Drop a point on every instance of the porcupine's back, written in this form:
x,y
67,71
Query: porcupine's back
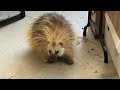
x,y
49,28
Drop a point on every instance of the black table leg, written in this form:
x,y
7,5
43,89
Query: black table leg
x,y
101,36
88,24
22,13
10,20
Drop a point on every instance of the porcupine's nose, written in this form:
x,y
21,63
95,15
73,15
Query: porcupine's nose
x,y
50,51
56,52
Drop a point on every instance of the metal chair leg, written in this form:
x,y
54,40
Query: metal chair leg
x,y
88,24
102,38
10,20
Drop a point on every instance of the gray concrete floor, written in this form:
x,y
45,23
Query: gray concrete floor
x,y
18,62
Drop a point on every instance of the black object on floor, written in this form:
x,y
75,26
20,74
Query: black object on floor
x,y
12,19
99,28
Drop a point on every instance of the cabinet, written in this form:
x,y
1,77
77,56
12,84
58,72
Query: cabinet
x,y
112,36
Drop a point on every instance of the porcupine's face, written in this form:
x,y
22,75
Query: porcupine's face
x,y
55,49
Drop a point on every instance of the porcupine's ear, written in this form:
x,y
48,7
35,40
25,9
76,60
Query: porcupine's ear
x,y
61,44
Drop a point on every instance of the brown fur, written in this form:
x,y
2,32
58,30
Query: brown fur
x,y
51,28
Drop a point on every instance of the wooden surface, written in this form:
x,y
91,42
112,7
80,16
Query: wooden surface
x,y
112,41
111,48
112,30
115,19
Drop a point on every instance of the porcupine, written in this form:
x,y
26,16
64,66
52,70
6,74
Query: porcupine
x,y
52,36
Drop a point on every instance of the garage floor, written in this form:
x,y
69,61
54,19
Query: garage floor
x,y
17,61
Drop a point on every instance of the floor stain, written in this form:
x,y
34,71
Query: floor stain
x,y
96,54
78,42
88,63
100,56
84,68
88,51
96,71
91,67
78,37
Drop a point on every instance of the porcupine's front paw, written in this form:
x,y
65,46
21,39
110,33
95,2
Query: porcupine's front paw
x,y
67,59
52,58
50,61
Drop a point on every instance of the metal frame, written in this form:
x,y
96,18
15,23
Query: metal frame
x,y
99,28
12,19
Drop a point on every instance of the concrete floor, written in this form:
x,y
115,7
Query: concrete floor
x,y
18,62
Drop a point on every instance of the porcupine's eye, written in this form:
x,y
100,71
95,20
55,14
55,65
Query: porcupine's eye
x,y
50,51
56,52
61,44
